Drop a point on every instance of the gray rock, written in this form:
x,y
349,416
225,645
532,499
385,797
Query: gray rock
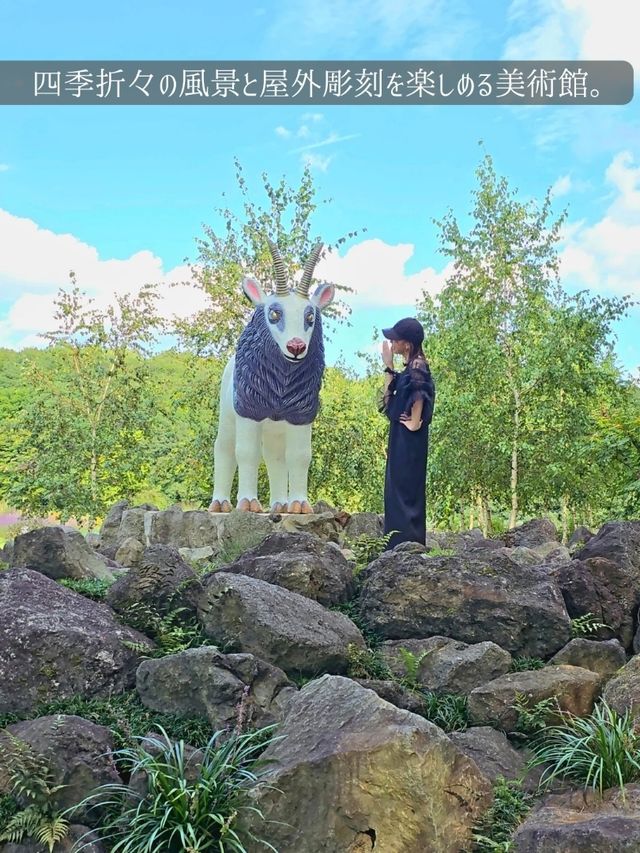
x,y
395,693
603,589
364,524
288,630
469,597
161,580
325,525
58,552
78,755
583,822
111,524
495,756
302,563
350,764
622,692
579,538
130,552
204,682
574,688
531,533
448,666
602,656
55,644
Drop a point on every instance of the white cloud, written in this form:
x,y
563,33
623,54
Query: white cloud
x,y
562,186
35,264
282,132
606,254
377,272
4,167
316,161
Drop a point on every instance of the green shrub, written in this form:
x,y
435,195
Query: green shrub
x,y
352,610
534,718
509,808
172,632
367,663
585,625
31,779
524,664
447,710
366,548
183,810
411,663
93,588
599,751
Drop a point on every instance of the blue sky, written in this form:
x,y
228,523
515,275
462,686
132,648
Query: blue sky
x,y
119,194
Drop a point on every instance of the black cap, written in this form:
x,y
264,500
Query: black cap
x,y
408,329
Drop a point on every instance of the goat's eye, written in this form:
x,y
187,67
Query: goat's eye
x,y
274,315
310,318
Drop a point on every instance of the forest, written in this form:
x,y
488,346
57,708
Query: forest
x,y
534,414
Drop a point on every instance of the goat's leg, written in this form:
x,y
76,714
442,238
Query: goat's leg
x,y
248,446
298,454
224,463
273,450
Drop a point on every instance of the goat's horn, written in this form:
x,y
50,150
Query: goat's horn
x,y
305,282
282,286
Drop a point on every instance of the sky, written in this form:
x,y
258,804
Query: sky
x,y
119,194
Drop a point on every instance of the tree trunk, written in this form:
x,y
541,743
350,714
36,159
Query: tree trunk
x,y
564,509
487,528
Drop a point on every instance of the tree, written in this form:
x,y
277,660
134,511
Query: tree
x,y
83,431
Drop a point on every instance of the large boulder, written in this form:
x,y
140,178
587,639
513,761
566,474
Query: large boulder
x,y
77,754
161,580
574,688
354,773
531,533
395,693
58,552
444,665
326,525
368,524
583,822
469,597
602,656
111,524
579,538
206,683
302,563
55,644
289,630
622,692
605,580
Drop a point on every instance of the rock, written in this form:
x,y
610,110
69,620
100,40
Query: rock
x,y
364,524
622,692
601,588
130,552
131,526
323,506
602,656
618,541
579,538
448,666
457,541
394,693
111,524
92,539
583,822
325,525
574,688
302,563
58,552
77,835
353,770
203,682
494,755
194,556
55,644
288,630
78,754
468,597
531,533
161,580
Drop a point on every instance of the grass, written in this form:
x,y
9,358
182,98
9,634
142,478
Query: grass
x,y
94,588
524,664
599,751
509,808
447,710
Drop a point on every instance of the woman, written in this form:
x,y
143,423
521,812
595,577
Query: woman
x,y
408,403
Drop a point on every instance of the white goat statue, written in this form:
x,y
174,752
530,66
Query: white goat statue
x,y
269,394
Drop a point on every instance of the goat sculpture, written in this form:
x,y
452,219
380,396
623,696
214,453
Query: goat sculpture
x,y
269,394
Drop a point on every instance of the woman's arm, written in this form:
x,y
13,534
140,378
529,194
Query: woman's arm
x,y
413,421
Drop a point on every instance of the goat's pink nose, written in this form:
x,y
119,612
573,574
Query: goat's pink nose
x,y
296,346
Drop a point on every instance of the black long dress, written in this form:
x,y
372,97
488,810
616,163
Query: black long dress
x,y
406,471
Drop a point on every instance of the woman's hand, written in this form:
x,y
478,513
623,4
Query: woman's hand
x,y
410,424
387,354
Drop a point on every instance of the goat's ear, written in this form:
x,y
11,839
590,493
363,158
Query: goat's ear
x,y
324,295
252,290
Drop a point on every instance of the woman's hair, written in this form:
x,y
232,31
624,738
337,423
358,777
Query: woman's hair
x,y
416,352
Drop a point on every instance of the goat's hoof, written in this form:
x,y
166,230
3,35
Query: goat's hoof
x,y
215,506
278,507
306,508
226,506
295,507
256,506
244,505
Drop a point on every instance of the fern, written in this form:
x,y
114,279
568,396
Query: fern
x,y
366,548
412,663
586,624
